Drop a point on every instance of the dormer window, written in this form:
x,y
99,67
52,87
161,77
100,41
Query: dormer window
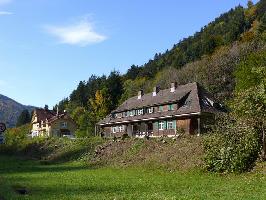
x,y
140,112
132,113
150,110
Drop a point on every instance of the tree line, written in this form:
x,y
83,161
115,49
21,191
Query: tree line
x,y
208,57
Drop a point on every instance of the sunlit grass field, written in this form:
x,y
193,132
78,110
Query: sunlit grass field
x,y
76,181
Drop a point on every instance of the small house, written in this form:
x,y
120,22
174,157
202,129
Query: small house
x,y
49,123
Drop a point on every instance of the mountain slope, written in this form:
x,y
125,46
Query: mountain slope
x,y
224,30
10,110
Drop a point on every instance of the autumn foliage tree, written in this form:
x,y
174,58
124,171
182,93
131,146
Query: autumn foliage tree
x,y
99,105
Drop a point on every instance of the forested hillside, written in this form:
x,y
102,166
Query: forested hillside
x,y
209,57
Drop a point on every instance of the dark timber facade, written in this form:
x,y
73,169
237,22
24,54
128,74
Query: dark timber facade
x,y
166,112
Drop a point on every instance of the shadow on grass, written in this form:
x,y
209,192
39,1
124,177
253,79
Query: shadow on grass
x,y
9,165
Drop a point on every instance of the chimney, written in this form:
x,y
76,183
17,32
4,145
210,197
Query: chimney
x,y
57,111
155,91
173,86
140,94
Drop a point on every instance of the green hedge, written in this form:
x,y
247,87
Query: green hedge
x,y
231,147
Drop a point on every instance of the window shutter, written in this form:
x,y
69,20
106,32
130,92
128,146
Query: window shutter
x,y
174,124
155,125
165,125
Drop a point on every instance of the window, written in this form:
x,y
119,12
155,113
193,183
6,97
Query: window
x,y
131,113
114,129
121,128
150,110
171,107
161,125
63,124
140,112
117,129
160,108
170,125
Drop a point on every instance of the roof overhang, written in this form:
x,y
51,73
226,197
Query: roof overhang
x,y
152,118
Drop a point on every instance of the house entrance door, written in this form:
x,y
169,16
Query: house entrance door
x,y
150,128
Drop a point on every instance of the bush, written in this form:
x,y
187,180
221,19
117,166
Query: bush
x,y
231,147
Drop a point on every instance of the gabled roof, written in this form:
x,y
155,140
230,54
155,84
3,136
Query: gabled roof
x,y
64,116
162,97
43,114
50,115
192,99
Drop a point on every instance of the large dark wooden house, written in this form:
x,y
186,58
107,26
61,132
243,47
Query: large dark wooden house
x,y
162,113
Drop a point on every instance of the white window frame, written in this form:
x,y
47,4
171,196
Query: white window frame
x,y
172,125
140,112
121,128
114,129
150,110
161,125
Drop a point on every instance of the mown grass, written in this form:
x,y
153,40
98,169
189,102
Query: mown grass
x,y
76,180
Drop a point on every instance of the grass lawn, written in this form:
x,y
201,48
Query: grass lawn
x,y
75,181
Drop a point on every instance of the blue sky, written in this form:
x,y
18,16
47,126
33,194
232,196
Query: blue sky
x,y
48,46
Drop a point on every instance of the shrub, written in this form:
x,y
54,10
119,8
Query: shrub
x,y
231,147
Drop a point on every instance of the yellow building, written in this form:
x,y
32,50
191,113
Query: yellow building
x,y
49,123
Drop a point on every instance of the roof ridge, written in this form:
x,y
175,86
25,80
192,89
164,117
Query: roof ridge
x,y
190,83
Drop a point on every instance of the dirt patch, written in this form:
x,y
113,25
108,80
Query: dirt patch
x,y
182,153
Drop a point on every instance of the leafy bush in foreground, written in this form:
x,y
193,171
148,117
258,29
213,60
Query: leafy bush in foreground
x,y
231,147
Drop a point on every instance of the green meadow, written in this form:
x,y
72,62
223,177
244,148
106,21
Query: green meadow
x,y
76,180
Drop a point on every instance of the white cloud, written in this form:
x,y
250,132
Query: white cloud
x,y
2,2
5,13
81,33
